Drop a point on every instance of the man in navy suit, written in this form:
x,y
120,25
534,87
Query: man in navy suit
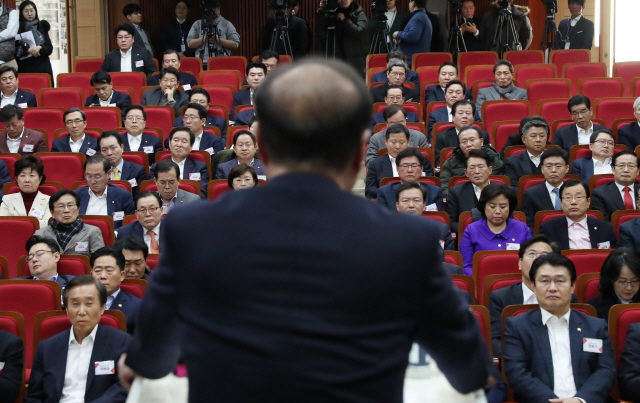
x,y
43,255
580,133
448,71
555,353
77,141
575,32
629,375
463,113
619,195
12,356
100,197
149,213
195,118
134,139
602,144
256,72
454,91
133,13
629,135
107,267
78,363
128,57
11,94
397,54
105,94
410,164
5,176
396,73
392,97
534,137
111,147
546,195
202,97
181,140
171,58
576,230
305,220
630,232
243,118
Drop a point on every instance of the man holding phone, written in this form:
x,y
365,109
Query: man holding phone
x,y
469,27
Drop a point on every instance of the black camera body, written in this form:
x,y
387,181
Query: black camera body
x,y
379,6
278,4
332,4
504,4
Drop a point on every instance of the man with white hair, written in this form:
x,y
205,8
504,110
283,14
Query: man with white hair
x,y
629,135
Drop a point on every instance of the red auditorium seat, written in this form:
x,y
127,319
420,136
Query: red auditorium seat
x,y
152,260
553,109
66,98
48,119
231,132
445,154
478,73
133,94
187,185
527,181
525,72
137,157
65,168
481,313
587,287
500,132
376,60
593,88
238,63
583,150
134,79
453,257
10,161
619,123
136,287
563,56
427,74
465,283
13,322
547,89
105,223
192,64
14,233
596,181
75,80
587,260
108,118
473,58
546,215
440,216
71,265
497,111
494,282
88,65
371,72
221,77
161,117
219,94
610,109
216,188
493,262
430,59
35,81
626,70
620,317
576,71
619,217
48,188
478,85
517,57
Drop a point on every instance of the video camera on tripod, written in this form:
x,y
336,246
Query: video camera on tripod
x,y
209,26
378,12
281,29
510,40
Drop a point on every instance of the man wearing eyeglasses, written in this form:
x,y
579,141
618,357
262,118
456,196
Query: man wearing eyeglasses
x,y
630,231
111,147
135,139
129,56
171,58
393,97
100,197
576,230
43,255
195,118
534,137
619,195
167,175
396,74
75,121
168,94
602,143
580,133
147,228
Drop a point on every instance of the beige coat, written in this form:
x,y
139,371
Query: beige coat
x,y
13,206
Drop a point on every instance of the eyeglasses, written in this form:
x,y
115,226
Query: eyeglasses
x,y
63,207
546,282
583,112
134,118
577,198
407,166
164,183
188,118
624,283
72,122
37,254
396,98
151,210
605,142
397,74
96,178
622,166
532,254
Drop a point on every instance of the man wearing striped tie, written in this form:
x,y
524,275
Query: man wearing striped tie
x,y
149,214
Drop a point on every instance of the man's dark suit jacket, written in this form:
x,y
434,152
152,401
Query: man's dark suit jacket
x,y
62,279
211,121
535,199
133,171
599,231
583,167
302,293
412,76
225,168
5,176
118,200
11,349
242,97
461,198
529,366
567,136
410,95
61,145
153,96
127,304
387,195
147,140
31,137
192,167
184,78
517,166
138,54
242,119
50,362
379,118
607,198
441,115
380,168
136,229
208,141
629,376
629,135
581,34
449,138
630,234
24,97
435,93
172,35
513,140
121,100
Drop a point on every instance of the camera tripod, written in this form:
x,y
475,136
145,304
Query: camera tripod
x,y
455,34
382,32
500,45
549,34
281,32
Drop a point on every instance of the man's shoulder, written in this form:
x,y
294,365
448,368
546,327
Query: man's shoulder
x,y
601,190
555,222
583,161
627,224
111,334
133,165
379,161
56,341
503,293
540,187
527,318
592,221
195,163
517,158
461,188
565,130
129,297
129,228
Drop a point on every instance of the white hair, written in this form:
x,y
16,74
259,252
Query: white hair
x,y
636,103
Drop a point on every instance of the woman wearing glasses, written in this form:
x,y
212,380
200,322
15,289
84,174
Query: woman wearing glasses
x,y
29,201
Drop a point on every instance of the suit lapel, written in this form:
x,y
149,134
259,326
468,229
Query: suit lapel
x,y
19,206
615,196
575,343
126,169
125,141
525,163
494,94
60,360
589,168
544,197
541,336
188,168
111,200
387,170
76,238
563,232
574,133
99,345
516,296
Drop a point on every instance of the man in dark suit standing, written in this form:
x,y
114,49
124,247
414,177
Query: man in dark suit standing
x,y
111,147
576,230
619,194
148,226
105,94
575,32
15,138
396,74
77,141
128,57
629,376
12,358
202,97
174,32
256,72
11,94
602,146
629,135
79,362
534,137
326,321
463,112
469,27
43,255
135,120
580,133
171,58
133,13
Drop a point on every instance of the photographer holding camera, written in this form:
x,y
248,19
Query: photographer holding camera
x,y
216,36
520,20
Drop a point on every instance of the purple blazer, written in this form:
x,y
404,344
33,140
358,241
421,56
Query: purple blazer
x,y
477,236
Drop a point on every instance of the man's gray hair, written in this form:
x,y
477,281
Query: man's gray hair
x,y
397,63
636,103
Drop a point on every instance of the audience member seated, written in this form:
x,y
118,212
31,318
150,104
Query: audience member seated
x,y
463,112
168,93
396,74
77,141
619,281
10,93
534,136
43,255
195,118
105,94
629,375
134,139
412,199
546,195
15,138
602,144
629,135
464,197
181,140
503,87
29,201
555,353
147,228
135,253
63,365
516,138
518,293
394,114
107,267
242,176
470,139
270,59
129,56
256,72
618,195
393,96
244,148
73,236
447,72
228,155
397,54
580,133
576,230
167,176
111,147
497,230
100,197
171,58
453,92
630,231
202,97
410,165
12,356
243,118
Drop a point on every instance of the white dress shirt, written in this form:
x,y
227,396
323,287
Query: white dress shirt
x,y
180,165
584,137
134,141
97,205
573,23
631,192
477,190
147,237
111,298
535,160
107,102
528,297
551,194
75,147
394,167
125,60
78,366
14,145
600,168
196,143
11,100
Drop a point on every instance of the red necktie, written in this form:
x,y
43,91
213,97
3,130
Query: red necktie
x,y
628,201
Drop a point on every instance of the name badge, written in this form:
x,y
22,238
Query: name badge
x,y
513,246
210,150
431,207
91,151
187,87
82,246
148,149
34,212
23,105
442,244
183,48
592,345
118,215
105,368
262,177
140,63
604,245
194,176
133,182
27,148
113,105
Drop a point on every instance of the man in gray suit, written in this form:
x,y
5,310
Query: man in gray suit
x,y
503,87
167,174
168,93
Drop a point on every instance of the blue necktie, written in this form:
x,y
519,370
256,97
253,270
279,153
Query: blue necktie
x,y
558,205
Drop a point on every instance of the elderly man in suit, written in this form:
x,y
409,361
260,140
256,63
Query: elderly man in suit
x,y
148,226
73,236
167,175
462,113
256,72
580,133
575,32
129,56
396,54
77,141
453,92
534,136
195,118
43,255
135,120
316,322
168,94
244,148
602,146
448,71
576,230
629,375
15,138
202,97
629,135
393,96
105,94
12,356
555,353
396,74
619,194
503,87
78,363
11,94
111,147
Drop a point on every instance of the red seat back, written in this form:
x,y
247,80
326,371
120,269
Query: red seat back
x,y
49,119
161,117
501,132
75,80
10,161
105,223
220,95
107,118
553,109
134,79
626,70
35,81
152,261
14,233
376,60
517,57
66,98
588,260
47,188
192,64
493,262
473,58
576,71
474,73
620,317
220,78
87,65
562,57
430,59
547,89
526,72
216,188
610,109
427,74
497,283
496,111
238,63
591,289
71,265
65,168
481,314
134,288
593,88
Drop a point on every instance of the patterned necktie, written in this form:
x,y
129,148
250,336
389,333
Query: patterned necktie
x,y
558,206
116,174
154,244
628,200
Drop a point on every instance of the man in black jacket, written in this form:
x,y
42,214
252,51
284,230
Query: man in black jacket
x,y
174,33
11,356
575,32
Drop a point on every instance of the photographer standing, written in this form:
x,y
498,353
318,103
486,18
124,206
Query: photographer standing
x,y
416,36
227,37
296,28
350,33
520,20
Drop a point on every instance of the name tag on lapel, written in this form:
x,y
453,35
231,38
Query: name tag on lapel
x,y
604,245
133,182
105,368
513,246
28,148
592,345
194,176
23,105
113,105
148,150
187,87
140,63
210,150
82,246
431,207
34,212
1,366
118,215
